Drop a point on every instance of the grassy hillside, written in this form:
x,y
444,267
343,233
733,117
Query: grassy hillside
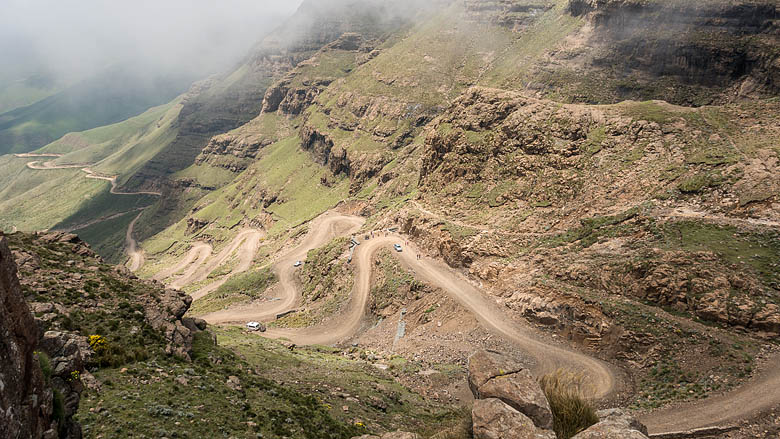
x,y
40,199
236,384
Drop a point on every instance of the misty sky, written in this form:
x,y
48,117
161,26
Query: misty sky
x,y
74,38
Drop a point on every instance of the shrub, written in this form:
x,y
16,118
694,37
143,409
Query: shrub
x,y
572,412
59,407
45,363
98,343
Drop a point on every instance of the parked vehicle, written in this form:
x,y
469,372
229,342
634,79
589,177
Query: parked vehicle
x,y
255,326
297,264
397,248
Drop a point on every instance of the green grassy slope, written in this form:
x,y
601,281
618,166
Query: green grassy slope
x,y
40,199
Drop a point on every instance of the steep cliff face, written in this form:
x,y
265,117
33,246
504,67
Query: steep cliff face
x,y
334,39
221,104
511,14
701,52
28,405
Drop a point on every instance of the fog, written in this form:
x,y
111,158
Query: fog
x,y
72,39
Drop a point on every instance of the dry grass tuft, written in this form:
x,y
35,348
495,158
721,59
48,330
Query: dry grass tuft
x,y
572,412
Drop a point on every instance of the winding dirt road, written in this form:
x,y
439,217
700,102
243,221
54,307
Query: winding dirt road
x,y
198,264
136,256
325,228
548,357
134,252
752,398
321,230
757,395
246,245
195,257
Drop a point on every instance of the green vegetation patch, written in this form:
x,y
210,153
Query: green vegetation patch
x,y
595,141
595,228
395,285
322,272
239,288
756,249
373,397
697,183
217,395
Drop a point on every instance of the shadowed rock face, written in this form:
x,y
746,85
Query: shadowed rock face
x,y
712,46
26,405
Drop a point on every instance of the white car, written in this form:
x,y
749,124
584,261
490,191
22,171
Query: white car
x,y
297,264
253,326
397,248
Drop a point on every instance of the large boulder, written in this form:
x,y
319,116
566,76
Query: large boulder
x,y
614,424
493,419
493,376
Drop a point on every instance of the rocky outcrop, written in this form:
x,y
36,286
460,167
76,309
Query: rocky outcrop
x,y
695,282
195,225
28,405
161,309
494,419
492,376
166,317
581,322
439,242
512,14
614,424
301,86
324,151
510,404
290,100
69,355
492,138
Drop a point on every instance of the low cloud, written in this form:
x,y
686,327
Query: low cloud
x,y
75,38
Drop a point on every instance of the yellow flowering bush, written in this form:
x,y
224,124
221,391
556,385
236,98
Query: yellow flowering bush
x,y
75,376
98,343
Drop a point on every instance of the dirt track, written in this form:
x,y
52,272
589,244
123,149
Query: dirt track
x,y
759,394
739,404
246,245
135,254
490,316
328,226
196,255
323,229
745,402
198,264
